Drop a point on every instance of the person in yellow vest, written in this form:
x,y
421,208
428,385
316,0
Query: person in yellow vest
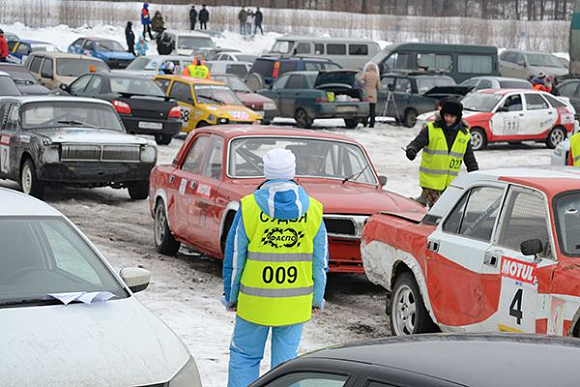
x,y
575,150
446,145
197,69
274,268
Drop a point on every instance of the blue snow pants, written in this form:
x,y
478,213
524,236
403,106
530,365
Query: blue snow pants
x,y
247,349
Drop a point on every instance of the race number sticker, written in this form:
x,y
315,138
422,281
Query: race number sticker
x,y
511,125
517,301
5,153
185,116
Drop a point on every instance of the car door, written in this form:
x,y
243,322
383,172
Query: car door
x,y
289,94
509,119
88,48
461,272
77,88
524,217
47,73
181,92
539,116
94,87
402,94
507,64
382,95
9,141
22,52
571,90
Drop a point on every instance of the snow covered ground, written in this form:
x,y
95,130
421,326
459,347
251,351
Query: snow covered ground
x,y
185,290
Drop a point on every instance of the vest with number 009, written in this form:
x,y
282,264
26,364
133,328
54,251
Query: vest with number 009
x,y
575,149
198,71
439,165
276,288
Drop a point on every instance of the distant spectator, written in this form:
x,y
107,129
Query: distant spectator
x,y
258,17
192,17
167,68
539,82
146,19
371,78
3,47
142,46
203,18
553,86
242,16
130,37
165,42
157,23
249,14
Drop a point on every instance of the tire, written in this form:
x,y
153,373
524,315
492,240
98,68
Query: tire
x,y
351,123
556,136
302,119
163,139
407,311
138,190
29,182
255,81
266,122
164,241
410,118
478,139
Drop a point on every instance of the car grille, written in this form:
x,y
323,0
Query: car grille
x,y
105,153
345,226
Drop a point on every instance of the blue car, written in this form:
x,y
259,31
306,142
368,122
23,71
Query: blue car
x,y
20,49
108,50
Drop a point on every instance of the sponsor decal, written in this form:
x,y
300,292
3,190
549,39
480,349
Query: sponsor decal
x,y
182,186
518,270
266,219
203,190
282,237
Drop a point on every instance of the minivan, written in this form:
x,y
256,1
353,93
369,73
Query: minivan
x,y
526,64
459,61
349,53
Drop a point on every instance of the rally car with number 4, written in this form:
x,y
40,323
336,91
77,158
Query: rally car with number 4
x,y
499,251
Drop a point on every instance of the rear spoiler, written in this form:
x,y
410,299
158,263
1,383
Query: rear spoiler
x,y
129,95
413,217
451,90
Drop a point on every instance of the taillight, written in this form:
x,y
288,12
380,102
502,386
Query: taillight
x,y
175,112
321,99
276,70
122,107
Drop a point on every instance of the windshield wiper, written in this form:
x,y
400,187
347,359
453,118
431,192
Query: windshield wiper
x,y
74,122
30,301
355,176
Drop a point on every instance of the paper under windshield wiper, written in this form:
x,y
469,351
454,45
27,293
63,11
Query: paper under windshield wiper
x,y
355,176
30,301
74,122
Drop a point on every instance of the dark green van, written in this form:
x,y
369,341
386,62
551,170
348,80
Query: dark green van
x,y
459,61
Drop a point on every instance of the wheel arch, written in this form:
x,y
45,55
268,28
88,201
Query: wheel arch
x,y
25,156
229,214
161,195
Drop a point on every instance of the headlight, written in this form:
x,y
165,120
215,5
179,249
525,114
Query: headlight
x,y
223,120
269,106
148,153
51,154
211,117
188,376
558,151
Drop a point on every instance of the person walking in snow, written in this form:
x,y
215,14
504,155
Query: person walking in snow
x,y
130,38
274,269
203,18
371,78
146,19
192,17
157,23
249,14
142,46
258,17
3,47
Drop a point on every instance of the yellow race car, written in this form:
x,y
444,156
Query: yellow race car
x,y
205,102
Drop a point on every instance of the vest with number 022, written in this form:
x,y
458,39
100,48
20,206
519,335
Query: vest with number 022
x,y
276,288
439,165
575,149
198,71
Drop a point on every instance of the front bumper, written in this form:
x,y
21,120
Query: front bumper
x,y
148,126
94,174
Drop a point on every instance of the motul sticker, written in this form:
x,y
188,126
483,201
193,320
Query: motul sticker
x,y
518,270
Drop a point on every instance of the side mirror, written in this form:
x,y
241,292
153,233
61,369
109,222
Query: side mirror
x,y
531,247
521,63
383,180
136,278
64,87
502,109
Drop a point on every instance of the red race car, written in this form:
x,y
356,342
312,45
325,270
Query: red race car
x,y
194,199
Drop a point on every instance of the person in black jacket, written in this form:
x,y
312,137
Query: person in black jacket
x,y
192,17
130,37
258,17
449,120
165,42
203,18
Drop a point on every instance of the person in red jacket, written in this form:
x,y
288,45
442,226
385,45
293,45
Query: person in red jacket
x,y
3,47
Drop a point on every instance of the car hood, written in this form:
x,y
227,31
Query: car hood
x,y
253,100
32,89
239,111
114,343
116,54
471,116
92,136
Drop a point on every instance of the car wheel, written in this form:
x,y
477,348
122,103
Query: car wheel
x,y
163,139
350,123
164,241
138,190
478,138
556,136
407,311
410,118
29,182
255,81
302,119
266,122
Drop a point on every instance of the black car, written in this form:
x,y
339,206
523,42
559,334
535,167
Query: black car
x,y
571,89
51,140
24,80
141,104
443,360
7,85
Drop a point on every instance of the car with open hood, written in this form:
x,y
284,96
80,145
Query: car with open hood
x,y
108,50
54,140
194,200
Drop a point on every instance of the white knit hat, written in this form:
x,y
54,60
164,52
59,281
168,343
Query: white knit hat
x,y
279,164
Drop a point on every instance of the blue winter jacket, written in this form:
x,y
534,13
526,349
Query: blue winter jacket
x,y
145,11
285,207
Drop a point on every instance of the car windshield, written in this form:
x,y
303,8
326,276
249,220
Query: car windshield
x,y
567,215
216,94
246,57
7,87
193,42
110,45
234,82
140,63
51,114
46,255
44,47
135,86
544,60
314,158
481,102
282,47
514,84
424,84
72,67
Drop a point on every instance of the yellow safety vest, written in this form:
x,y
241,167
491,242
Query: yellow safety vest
x,y
439,166
276,287
575,149
200,71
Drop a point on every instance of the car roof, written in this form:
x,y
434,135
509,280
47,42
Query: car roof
x,y
491,77
12,67
508,91
56,98
307,73
168,57
195,81
292,58
34,42
19,204
229,62
53,54
191,33
470,359
527,51
324,39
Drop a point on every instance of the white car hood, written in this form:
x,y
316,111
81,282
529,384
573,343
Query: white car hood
x,y
114,343
92,136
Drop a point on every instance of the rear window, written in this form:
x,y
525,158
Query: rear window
x,y
35,64
72,67
515,84
340,77
475,64
135,86
554,101
263,67
288,66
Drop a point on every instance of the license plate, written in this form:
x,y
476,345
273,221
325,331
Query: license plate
x,y
260,113
346,109
150,125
